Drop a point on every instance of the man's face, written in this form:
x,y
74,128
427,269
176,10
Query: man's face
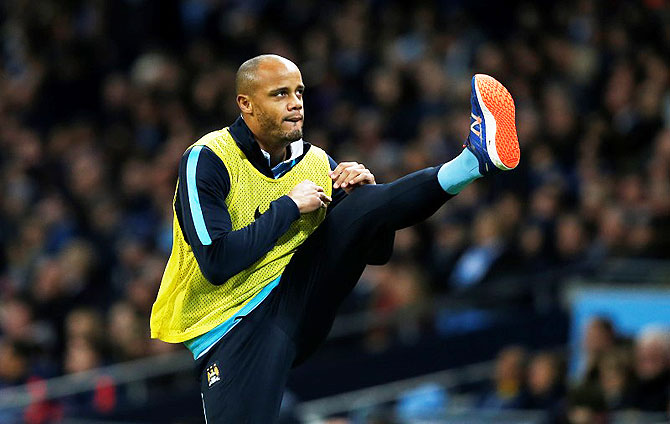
x,y
277,101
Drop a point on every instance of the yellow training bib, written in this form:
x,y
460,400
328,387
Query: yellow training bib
x,y
187,304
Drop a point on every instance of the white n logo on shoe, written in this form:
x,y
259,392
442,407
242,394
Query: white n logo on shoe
x,y
477,122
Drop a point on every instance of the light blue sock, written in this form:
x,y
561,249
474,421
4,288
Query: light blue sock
x,y
459,172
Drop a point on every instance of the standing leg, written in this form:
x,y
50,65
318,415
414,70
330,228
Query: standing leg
x,y
242,378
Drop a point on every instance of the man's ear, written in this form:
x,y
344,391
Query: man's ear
x,y
244,103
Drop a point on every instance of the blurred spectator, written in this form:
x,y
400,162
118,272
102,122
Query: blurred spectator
x,y
616,378
533,250
480,260
127,331
84,324
16,319
398,288
81,355
570,240
652,357
545,383
14,367
509,389
449,243
599,337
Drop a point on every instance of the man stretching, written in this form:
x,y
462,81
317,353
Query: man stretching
x,y
270,235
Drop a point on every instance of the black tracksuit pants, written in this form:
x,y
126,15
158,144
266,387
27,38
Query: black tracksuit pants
x,y
253,360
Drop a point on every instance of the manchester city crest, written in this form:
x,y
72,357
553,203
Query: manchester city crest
x,y
213,374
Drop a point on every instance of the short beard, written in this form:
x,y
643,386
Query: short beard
x,y
268,127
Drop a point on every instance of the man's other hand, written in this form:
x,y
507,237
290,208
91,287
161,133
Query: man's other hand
x,y
350,175
309,197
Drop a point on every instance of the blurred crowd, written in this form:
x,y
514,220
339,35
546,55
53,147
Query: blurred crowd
x,y
100,99
618,375
624,377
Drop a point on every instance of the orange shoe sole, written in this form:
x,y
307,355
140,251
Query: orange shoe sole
x,y
502,142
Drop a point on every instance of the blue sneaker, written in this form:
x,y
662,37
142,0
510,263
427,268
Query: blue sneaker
x,y
492,139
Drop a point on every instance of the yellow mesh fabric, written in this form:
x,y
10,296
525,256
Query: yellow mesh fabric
x,y
188,305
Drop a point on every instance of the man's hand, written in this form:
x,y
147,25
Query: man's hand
x,y
350,175
309,197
